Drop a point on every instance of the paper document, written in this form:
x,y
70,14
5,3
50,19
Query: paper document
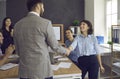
x,y
61,65
62,59
58,56
55,67
13,56
8,66
64,65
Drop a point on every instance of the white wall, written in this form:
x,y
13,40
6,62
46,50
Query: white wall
x,y
95,12
119,12
89,10
99,18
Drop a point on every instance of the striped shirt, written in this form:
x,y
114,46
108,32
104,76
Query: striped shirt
x,y
74,54
0,51
86,45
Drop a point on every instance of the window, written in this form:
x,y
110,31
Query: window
x,y
111,15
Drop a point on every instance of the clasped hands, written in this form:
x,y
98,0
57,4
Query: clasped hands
x,y
68,50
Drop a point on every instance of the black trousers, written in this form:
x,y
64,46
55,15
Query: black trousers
x,y
45,78
89,64
76,63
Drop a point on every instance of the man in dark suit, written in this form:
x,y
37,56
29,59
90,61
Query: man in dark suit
x,y
32,35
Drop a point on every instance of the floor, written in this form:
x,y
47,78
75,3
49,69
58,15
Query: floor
x,y
107,74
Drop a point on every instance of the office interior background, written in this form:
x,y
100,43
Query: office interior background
x,y
102,13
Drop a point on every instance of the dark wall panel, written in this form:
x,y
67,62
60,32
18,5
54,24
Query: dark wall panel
x,y
64,11
58,11
16,9
2,11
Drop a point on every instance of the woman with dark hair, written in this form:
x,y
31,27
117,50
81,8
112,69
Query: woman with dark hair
x,y
8,51
7,33
88,48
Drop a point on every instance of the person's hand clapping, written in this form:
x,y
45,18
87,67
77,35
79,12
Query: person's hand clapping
x,y
9,50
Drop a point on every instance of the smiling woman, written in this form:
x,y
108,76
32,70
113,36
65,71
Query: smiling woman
x,y
7,33
89,58
8,51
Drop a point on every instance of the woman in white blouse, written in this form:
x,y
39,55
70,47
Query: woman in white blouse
x,y
88,48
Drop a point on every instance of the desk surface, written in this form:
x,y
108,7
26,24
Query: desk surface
x,y
105,49
73,70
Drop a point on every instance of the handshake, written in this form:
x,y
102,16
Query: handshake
x,y
68,50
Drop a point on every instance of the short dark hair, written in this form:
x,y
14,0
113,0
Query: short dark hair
x,y
32,3
90,30
69,30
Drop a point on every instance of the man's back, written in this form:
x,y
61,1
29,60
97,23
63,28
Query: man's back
x,y
30,35
32,32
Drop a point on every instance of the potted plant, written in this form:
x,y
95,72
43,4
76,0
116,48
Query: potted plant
x,y
110,42
76,23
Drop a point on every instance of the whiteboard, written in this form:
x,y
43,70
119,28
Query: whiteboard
x,y
57,32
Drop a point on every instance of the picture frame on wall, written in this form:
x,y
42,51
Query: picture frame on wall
x,y
59,32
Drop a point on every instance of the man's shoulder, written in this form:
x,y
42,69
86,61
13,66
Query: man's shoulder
x,y
44,19
19,21
39,19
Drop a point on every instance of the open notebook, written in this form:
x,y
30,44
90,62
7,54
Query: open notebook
x,y
8,66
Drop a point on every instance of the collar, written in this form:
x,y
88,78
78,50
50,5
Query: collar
x,y
34,13
84,36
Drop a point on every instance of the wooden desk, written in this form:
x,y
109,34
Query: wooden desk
x,y
10,73
72,72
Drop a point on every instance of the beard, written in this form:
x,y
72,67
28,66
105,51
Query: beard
x,y
41,12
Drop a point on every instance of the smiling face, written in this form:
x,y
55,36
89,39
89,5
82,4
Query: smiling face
x,y
84,27
68,34
8,22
